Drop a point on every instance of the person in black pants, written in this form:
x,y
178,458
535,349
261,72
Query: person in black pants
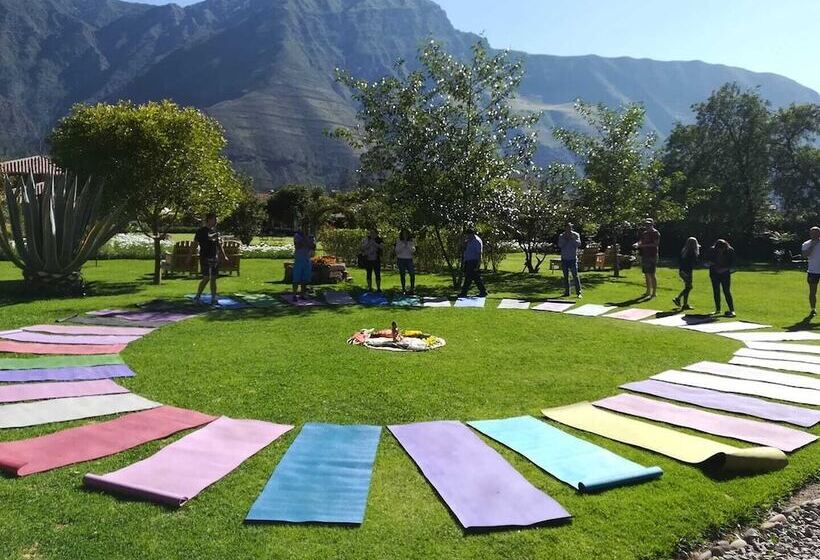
x,y
473,249
688,260
210,250
372,247
720,272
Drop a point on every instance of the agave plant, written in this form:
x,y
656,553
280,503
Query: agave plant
x,y
49,234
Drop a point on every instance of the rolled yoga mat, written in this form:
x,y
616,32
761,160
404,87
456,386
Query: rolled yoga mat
x,y
590,310
753,431
756,374
42,391
470,302
93,441
706,398
477,484
785,347
112,322
180,471
785,365
513,304
79,373
742,386
775,355
46,338
70,349
553,306
635,314
580,464
35,413
771,336
727,326
60,362
678,445
88,330
324,477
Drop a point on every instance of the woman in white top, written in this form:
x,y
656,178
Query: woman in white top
x,y
404,260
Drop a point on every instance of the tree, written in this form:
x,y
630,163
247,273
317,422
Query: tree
x,y
795,162
295,205
162,160
246,220
435,141
622,182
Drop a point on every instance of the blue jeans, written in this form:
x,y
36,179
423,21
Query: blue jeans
x,y
568,266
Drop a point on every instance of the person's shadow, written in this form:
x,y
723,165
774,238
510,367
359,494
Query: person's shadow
x,y
805,324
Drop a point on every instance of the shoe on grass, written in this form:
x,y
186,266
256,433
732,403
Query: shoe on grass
x,y
579,296
676,301
729,314
686,307
813,313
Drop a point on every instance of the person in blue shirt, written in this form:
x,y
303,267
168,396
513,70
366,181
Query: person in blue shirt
x,y
303,248
473,248
569,242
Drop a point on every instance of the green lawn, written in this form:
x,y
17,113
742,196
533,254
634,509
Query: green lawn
x,y
294,366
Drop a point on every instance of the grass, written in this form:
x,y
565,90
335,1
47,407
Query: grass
x,y
293,366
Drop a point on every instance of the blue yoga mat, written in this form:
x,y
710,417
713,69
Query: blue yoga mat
x,y
580,464
470,302
406,301
222,301
373,298
323,478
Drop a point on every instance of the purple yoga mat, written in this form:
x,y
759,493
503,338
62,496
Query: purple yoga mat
x,y
167,316
88,330
180,471
707,398
46,338
753,431
65,374
41,391
477,484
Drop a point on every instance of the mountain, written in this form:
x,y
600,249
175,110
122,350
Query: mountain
x,y
264,69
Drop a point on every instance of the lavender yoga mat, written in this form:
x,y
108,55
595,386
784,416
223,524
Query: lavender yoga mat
x,y
46,338
88,330
753,431
13,347
42,391
81,373
477,484
728,402
166,316
180,471
111,322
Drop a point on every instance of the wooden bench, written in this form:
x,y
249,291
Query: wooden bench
x,y
184,258
233,252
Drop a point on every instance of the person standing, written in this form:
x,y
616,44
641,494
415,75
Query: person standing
x,y
210,249
688,260
648,246
569,242
721,261
471,258
404,260
811,250
372,247
304,247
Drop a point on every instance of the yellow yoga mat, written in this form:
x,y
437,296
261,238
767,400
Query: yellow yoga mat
x,y
680,446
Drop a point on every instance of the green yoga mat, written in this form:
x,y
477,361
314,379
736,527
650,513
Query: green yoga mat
x,y
51,362
259,300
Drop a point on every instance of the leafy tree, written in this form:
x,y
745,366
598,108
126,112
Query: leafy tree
x,y
162,160
435,141
303,205
795,162
247,219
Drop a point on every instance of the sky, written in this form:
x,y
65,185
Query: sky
x,y
779,36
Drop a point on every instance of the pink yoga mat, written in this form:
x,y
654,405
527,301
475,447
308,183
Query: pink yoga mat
x,y
89,330
185,468
85,443
41,391
72,349
634,314
47,338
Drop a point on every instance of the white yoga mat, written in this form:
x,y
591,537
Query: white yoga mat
x,y
801,367
678,320
513,304
590,310
771,336
553,306
62,410
784,347
741,386
728,326
437,302
775,355
755,374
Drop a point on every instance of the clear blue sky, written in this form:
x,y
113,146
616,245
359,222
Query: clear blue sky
x,y
780,36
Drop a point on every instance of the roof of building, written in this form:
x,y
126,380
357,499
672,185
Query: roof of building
x,y
33,165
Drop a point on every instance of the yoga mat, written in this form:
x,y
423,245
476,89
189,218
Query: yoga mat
x,y
635,314
470,302
580,464
513,304
259,300
41,391
784,365
112,322
706,398
679,320
93,441
301,302
76,349
477,484
553,306
373,298
753,431
783,347
590,310
78,373
774,355
771,336
35,413
222,301
90,340
180,471
324,477
60,361
755,374
678,445
728,326
162,316
742,386
90,330
437,302
406,301
338,298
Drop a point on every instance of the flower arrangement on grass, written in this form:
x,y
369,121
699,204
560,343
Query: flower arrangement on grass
x,y
396,340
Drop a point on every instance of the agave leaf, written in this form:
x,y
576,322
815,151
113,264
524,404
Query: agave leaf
x,y
16,220
31,209
69,220
5,243
49,232
60,195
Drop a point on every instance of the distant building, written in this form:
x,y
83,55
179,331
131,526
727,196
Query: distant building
x,y
41,167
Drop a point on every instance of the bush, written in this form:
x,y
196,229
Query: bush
x,y
346,243
139,246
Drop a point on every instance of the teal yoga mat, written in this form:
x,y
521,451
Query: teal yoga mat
x,y
580,464
323,478
49,362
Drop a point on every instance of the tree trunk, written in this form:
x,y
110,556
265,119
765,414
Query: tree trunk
x,y
455,274
157,259
616,269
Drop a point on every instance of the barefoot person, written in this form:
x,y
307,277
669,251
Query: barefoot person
x,y
210,249
404,260
303,249
372,247
569,242
688,260
721,261
648,246
473,249
811,250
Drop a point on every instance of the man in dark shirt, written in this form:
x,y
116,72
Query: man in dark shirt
x,y
210,249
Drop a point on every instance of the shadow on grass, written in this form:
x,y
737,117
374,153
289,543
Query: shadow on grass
x,y
13,292
805,324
